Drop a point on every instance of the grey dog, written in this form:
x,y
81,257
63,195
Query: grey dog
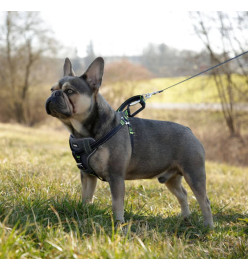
x,y
159,149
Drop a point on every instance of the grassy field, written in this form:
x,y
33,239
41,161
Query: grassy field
x,y
201,89
41,214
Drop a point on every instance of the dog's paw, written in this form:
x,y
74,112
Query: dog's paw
x,y
121,226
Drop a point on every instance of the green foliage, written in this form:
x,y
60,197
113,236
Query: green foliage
x,y
42,216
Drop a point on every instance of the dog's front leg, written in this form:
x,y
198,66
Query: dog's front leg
x,y
117,187
88,187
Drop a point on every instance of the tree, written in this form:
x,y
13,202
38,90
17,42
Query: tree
x,y
24,40
121,79
165,61
223,37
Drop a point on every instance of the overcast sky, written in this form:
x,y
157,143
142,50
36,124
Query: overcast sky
x,y
122,27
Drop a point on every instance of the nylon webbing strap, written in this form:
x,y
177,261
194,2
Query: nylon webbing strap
x,y
106,137
87,146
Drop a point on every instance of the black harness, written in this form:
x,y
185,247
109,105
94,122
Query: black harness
x,y
83,148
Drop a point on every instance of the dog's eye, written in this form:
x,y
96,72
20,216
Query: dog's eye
x,y
69,91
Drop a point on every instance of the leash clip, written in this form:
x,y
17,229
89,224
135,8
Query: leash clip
x,y
147,96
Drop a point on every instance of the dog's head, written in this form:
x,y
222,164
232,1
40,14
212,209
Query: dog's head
x,y
72,96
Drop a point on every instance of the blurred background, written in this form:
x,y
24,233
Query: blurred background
x,y
145,49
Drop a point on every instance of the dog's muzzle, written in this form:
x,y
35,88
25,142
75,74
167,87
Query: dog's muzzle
x,y
49,100
56,104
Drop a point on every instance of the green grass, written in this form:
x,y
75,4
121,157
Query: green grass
x,y
201,89
41,214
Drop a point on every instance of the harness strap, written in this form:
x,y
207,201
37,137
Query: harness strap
x,y
82,151
130,129
83,148
105,138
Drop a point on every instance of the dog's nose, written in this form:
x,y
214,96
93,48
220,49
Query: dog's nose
x,y
57,93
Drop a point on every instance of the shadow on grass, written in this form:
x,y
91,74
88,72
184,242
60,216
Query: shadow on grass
x,y
191,228
70,215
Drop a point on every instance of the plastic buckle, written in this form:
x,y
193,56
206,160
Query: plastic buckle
x,y
80,166
130,102
143,105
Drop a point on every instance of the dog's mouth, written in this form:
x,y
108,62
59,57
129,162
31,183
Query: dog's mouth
x,y
59,105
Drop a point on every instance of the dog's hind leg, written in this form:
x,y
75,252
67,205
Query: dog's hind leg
x,y
174,184
196,178
88,187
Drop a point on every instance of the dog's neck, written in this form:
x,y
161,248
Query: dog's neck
x,y
101,119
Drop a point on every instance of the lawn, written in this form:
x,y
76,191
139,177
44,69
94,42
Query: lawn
x,y
201,89
42,216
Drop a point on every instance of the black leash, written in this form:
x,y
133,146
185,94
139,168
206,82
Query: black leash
x,y
142,98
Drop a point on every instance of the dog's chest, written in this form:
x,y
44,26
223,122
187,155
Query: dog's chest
x,y
79,127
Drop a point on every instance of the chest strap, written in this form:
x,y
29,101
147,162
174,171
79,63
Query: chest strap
x,y
83,148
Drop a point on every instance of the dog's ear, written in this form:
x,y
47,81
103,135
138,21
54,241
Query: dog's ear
x,y
94,73
68,70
